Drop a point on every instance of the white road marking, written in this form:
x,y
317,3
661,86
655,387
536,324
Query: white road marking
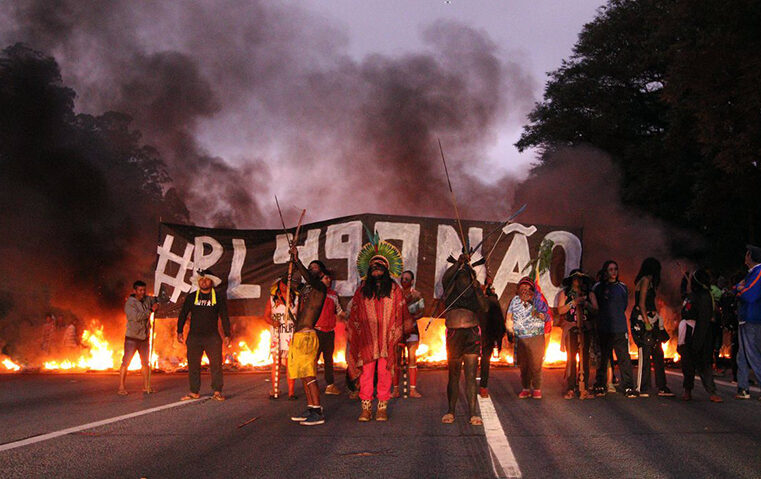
x,y
720,382
497,440
71,430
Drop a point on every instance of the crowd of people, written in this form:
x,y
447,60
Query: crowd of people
x,y
383,335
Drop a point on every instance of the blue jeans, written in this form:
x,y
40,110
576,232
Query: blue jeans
x,y
749,355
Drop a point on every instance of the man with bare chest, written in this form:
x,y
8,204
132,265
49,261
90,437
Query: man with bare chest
x,y
302,355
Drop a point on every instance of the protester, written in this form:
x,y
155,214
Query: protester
x,y
717,322
576,302
464,301
48,332
613,329
206,307
526,321
492,332
647,329
281,330
695,344
728,307
70,336
137,336
375,326
749,319
326,334
302,354
411,340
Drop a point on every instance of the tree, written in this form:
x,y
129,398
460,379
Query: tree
x,y
669,90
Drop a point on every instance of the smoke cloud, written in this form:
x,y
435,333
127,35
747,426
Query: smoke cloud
x,y
245,99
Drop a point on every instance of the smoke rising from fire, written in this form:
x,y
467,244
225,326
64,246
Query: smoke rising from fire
x,y
243,100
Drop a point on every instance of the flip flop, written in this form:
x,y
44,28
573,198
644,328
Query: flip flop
x,y
149,391
476,421
122,392
189,396
448,418
218,396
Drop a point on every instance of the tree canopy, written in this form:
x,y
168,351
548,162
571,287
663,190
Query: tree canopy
x,y
670,90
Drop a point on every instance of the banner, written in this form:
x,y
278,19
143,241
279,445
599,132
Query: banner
x,y
249,261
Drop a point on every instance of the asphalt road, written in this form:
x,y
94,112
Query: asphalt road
x,y
552,437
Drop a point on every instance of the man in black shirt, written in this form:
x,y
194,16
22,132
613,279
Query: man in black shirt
x,y
206,307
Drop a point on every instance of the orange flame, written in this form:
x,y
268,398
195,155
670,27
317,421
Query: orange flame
x,y
9,365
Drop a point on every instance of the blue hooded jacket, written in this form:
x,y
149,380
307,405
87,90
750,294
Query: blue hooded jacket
x,y
749,297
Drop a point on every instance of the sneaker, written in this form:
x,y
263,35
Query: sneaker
x,y
525,394
314,417
631,393
332,390
643,394
536,394
742,394
611,388
665,393
301,417
600,391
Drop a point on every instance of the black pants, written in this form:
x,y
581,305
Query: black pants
x,y
572,348
717,332
646,353
697,362
485,363
618,342
212,345
327,344
700,363
734,349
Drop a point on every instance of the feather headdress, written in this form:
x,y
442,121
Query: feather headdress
x,y
383,250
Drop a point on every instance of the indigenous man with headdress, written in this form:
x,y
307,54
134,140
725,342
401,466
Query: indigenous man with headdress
x,y
465,302
281,328
375,323
302,353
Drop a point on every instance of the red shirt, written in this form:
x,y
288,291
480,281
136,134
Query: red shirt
x,y
330,309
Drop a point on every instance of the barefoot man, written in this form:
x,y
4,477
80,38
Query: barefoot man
x,y
465,301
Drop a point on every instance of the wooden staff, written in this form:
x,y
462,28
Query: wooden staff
x,y
454,202
291,242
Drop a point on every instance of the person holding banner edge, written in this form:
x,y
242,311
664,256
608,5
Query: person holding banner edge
x,y
206,308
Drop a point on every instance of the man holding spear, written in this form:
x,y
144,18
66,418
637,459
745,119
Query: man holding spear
x,y
302,355
138,308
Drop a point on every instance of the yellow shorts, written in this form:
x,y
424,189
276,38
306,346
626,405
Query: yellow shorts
x,y
302,355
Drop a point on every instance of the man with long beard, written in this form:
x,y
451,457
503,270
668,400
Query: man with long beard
x,y
376,322
465,301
